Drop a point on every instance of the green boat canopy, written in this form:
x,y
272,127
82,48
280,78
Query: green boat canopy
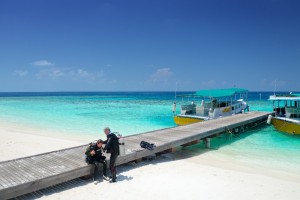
x,y
217,93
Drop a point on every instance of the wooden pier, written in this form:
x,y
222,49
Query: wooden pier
x,y
28,174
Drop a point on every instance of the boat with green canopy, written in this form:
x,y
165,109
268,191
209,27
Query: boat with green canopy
x,y
211,104
287,113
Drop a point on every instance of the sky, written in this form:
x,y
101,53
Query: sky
x,y
149,45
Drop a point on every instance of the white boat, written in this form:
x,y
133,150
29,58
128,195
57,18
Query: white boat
x,y
287,113
212,104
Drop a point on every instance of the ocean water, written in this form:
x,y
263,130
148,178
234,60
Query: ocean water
x,y
88,113
129,113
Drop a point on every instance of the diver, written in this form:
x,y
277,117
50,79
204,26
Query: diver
x,y
112,147
94,156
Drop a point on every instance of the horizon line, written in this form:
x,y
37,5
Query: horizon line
x,y
69,91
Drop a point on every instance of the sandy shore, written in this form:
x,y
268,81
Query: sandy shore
x,y
167,178
181,175
26,141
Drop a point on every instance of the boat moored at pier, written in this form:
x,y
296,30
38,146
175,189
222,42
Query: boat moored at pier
x,y
212,104
287,113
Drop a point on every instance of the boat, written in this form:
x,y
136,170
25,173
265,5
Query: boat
x,y
212,104
287,113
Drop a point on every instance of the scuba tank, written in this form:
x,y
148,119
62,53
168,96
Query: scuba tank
x,y
121,145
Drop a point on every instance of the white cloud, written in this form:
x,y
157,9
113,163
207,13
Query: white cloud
x,y
83,73
42,63
80,73
20,73
43,73
70,73
162,74
55,73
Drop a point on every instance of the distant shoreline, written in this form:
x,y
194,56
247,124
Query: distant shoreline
x,y
65,93
167,91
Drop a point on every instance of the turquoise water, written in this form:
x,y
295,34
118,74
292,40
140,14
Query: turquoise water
x,y
129,113
263,147
87,114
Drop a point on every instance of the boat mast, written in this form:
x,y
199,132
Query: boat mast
x,y
275,87
175,92
175,98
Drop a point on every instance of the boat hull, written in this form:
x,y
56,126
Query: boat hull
x,y
184,120
286,126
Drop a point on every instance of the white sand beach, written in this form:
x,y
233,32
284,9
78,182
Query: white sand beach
x,y
180,175
184,179
26,141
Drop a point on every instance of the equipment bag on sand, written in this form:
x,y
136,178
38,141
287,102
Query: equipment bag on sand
x,y
147,145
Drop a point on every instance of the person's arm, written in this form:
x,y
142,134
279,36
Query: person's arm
x,y
99,152
90,151
87,152
108,144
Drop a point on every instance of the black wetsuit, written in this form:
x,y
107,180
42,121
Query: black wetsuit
x,y
96,159
112,147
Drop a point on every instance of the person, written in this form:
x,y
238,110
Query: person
x,y
94,156
112,147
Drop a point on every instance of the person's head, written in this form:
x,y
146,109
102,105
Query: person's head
x,y
99,143
107,130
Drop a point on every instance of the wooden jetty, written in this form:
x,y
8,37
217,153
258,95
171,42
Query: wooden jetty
x,y
28,174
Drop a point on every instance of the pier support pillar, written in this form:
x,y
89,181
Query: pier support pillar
x,y
171,150
207,143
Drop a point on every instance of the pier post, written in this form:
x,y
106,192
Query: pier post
x,y
207,143
171,150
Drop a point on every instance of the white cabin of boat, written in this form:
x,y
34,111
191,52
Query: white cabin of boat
x,y
212,104
286,105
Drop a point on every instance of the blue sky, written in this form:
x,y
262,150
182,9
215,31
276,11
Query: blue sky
x,y
142,45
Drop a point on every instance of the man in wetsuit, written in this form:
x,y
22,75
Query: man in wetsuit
x,y
94,156
112,147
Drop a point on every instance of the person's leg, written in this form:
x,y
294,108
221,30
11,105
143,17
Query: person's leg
x,y
112,166
96,171
104,167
